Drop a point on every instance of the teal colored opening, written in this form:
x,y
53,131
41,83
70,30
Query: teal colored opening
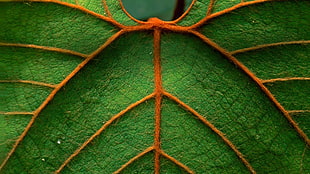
x,y
166,10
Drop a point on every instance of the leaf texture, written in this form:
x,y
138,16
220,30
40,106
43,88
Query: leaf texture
x,y
86,88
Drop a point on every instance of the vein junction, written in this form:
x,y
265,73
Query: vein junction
x,y
155,25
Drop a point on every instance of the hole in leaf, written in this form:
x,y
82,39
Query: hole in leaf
x,y
166,10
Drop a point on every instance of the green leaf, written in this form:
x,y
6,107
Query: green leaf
x,y
84,88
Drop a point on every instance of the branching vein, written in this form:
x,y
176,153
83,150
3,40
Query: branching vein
x,y
228,10
147,150
99,131
55,91
257,81
187,169
157,27
107,19
213,128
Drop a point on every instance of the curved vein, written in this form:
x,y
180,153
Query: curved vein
x,y
214,129
55,91
185,13
257,81
29,82
99,131
285,79
60,50
147,150
269,45
107,19
228,10
187,169
126,12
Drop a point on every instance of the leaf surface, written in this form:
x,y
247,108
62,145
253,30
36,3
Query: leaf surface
x,y
85,88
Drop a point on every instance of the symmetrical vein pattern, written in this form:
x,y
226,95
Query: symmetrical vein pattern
x,y
156,96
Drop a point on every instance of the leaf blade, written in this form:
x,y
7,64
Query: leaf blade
x,y
266,140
